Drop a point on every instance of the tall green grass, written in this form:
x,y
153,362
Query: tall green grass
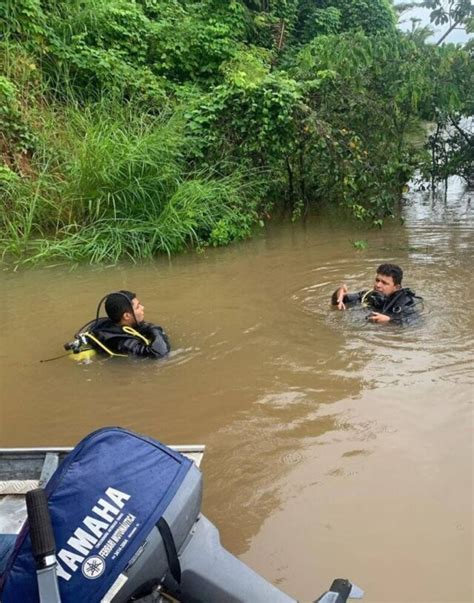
x,y
108,182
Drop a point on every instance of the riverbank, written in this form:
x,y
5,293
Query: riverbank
x,y
134,129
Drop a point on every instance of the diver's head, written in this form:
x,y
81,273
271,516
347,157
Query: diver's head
x,y
388,279
124,308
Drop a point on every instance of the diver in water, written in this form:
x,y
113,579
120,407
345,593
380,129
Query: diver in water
x,y
124,332
388,301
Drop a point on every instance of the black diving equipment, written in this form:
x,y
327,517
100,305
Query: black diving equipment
x,y
76,345
373,298
403,306
80,346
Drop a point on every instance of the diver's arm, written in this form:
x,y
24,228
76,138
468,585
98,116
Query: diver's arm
x,y
157,335
380,318
341,297
405,315
337,298
158,348
160,341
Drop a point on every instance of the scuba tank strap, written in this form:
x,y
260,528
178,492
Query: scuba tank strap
x,y
101,345
170,549
135,333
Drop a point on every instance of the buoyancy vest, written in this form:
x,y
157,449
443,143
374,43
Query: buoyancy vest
x,y
109,333
144,339
395,303
401,305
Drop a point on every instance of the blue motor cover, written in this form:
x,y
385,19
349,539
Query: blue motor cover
x,y
104,499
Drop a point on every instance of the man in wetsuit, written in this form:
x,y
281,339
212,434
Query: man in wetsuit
x,y
388,301
124,332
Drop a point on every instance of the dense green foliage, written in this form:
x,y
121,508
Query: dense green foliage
x,y
451,144
131,127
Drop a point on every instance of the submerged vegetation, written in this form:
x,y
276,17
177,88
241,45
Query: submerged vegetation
x,y
132,127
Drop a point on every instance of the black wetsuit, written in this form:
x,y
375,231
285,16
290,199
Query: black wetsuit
x,y
402,306
118,341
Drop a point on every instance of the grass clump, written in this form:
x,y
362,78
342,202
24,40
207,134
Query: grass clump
x,y
108,182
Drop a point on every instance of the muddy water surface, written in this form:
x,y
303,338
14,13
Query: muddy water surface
x,y
334,447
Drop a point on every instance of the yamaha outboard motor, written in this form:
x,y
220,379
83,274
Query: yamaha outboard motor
x,y
125,513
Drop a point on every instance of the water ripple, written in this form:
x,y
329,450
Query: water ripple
x,y
437,263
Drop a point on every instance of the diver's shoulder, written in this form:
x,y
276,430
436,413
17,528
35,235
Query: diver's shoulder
x,y
410,294
106,325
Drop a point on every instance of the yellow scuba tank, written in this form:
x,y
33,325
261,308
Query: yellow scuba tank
x,y
80,349
83,355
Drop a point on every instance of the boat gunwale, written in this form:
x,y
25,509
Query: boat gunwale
x,y
176,447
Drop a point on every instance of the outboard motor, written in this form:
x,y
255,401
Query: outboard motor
x,y
125,512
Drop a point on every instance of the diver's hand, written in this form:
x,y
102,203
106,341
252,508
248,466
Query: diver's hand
x,y
340,296
378,317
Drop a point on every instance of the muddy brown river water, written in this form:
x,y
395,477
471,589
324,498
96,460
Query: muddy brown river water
x,y
333,447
